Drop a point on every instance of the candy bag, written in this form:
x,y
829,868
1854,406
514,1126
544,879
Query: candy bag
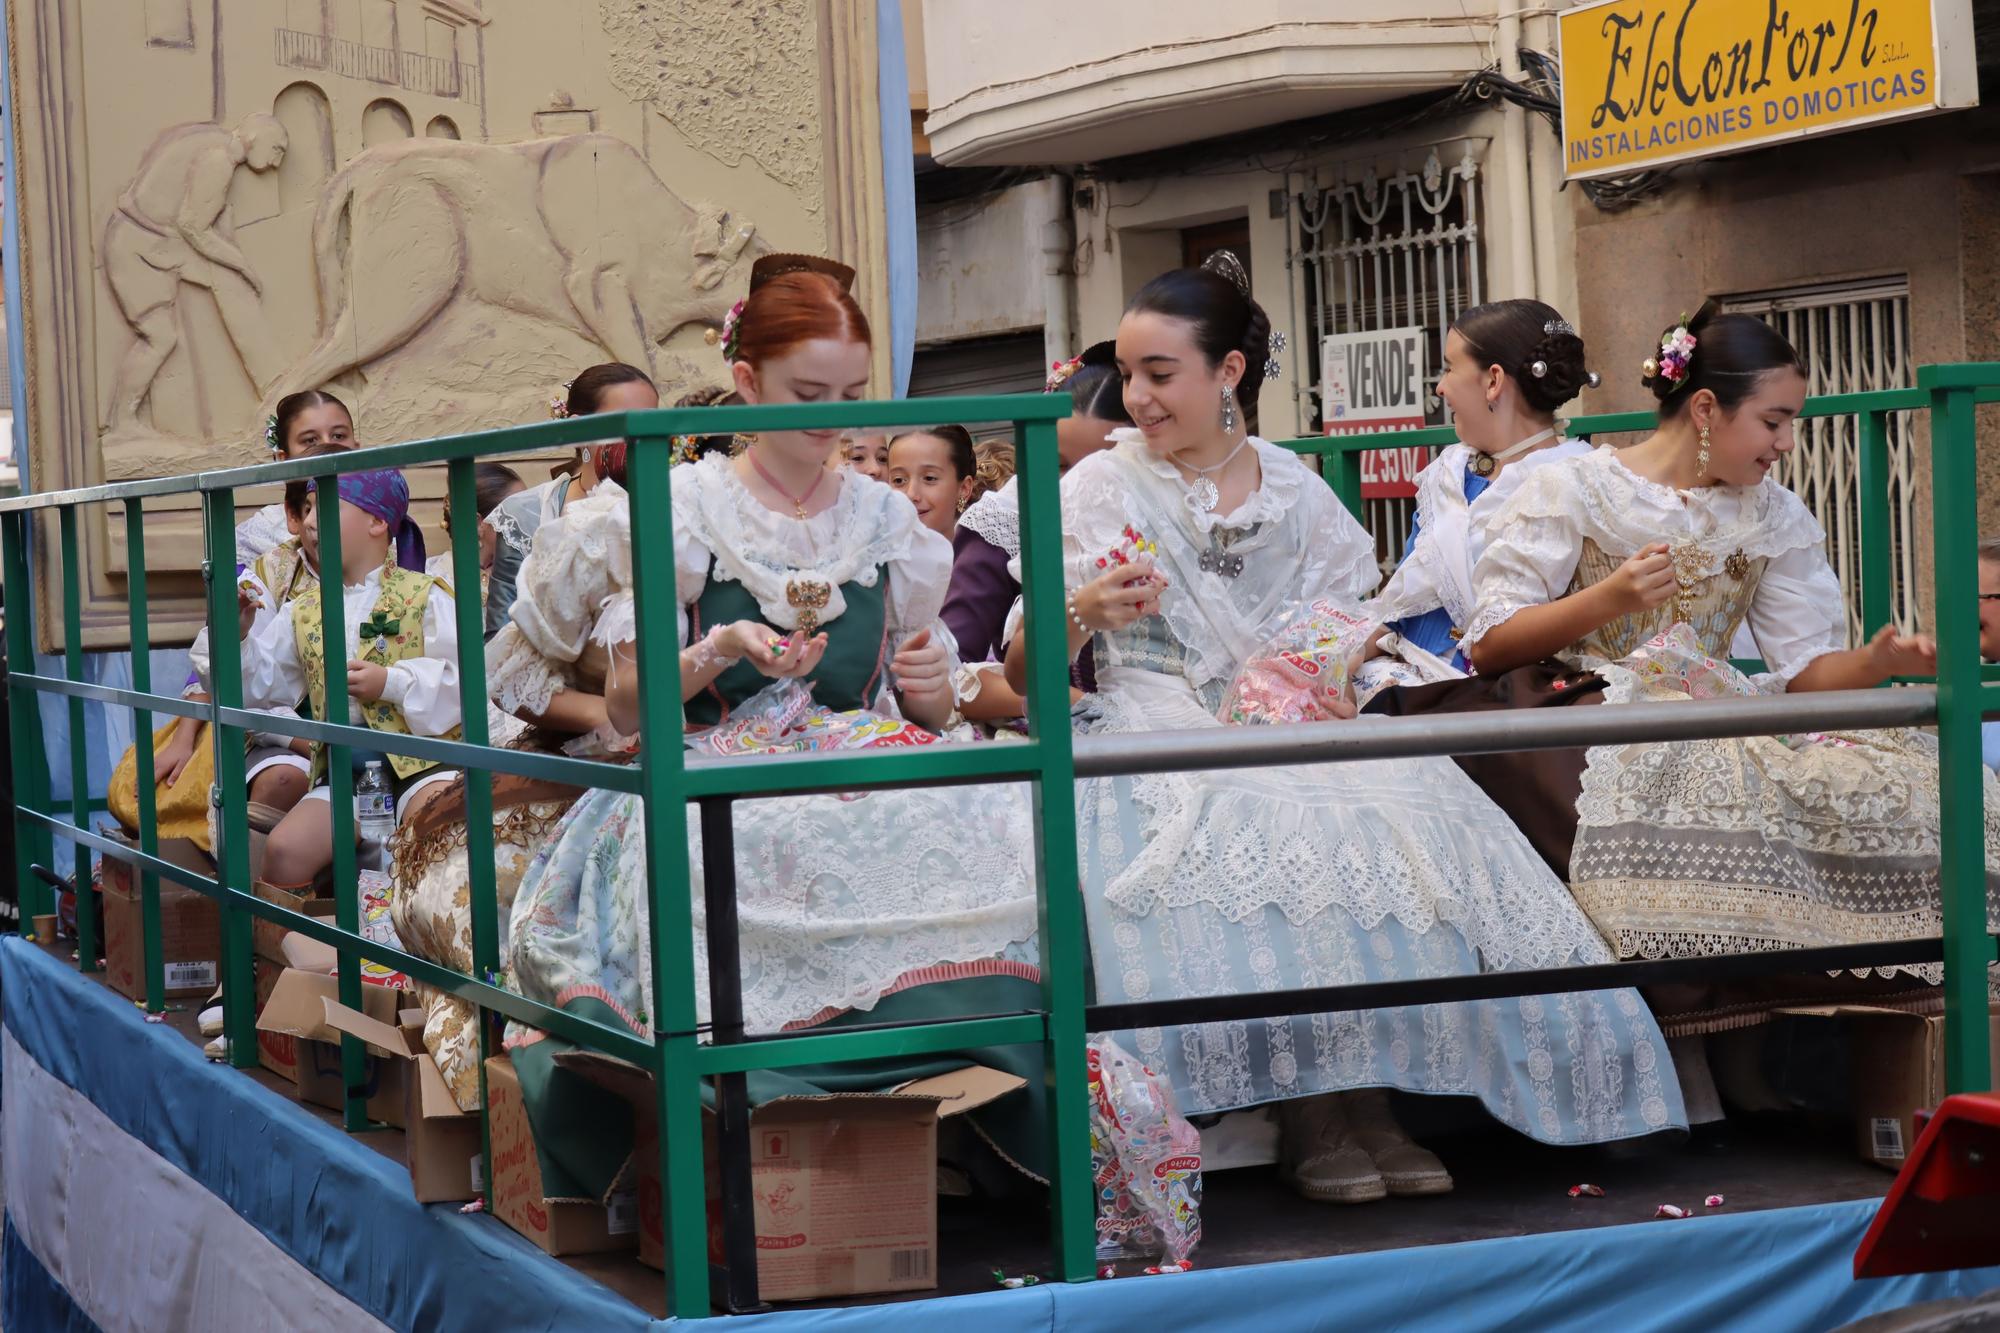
x,y
1145,1161
1672,662
782,718
1300,669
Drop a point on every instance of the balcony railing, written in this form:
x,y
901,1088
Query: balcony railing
x,y
429,75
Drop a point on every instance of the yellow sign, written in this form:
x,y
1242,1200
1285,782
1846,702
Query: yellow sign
x,y
1648,82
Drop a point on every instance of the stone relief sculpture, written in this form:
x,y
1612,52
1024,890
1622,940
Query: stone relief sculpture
x,y
434,253
171,227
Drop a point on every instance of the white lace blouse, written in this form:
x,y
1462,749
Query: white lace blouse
x,y
1796,614
576,586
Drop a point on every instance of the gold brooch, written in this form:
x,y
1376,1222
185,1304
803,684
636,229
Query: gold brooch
x,y
808,597
1737,566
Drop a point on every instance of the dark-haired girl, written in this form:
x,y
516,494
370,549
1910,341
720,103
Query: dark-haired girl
x,y
303,422
1508,367
1639,565
986,546
1299,876
938,469
610,387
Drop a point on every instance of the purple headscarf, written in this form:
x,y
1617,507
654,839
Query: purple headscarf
x,y
387,496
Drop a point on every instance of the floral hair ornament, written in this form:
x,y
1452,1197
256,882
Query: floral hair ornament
x,y
1060,373
687,448
271,440
1676,355
1272,366
726,339
559,402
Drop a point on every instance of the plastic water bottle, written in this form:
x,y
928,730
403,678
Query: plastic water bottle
x,y
375,806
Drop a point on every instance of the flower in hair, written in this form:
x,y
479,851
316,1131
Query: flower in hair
x,y
687,448
1676,355
732,324
271,440
559,403
1060,373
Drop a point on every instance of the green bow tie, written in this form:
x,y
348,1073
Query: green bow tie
x,y
375,627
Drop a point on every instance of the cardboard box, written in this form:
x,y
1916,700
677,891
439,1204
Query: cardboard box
x,y
267,938
440,1142
1897,1061
294,1019
845,1186
558,1226
190,926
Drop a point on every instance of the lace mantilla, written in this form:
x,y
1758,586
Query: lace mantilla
x,y
996,516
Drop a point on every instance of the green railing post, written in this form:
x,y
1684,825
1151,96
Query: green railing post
x,y
471,609
87,943
340,786
30,755
1061,924
670,890
1877,579
1962,869
142,753
232,789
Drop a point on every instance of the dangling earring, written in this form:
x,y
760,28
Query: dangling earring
x,y
739,444
1701,458
1228,409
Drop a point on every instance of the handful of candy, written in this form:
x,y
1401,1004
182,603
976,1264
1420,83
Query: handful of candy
x,y
782,718
1132,544
1145,1162
1302,670
1673,662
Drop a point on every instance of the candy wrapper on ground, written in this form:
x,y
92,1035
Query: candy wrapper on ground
x,y
1299,670
1673,662
782,718
376,926
1145,1162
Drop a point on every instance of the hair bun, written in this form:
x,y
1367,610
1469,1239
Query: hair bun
x,y
776,266
1554,372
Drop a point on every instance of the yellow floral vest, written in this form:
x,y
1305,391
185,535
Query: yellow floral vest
x,y
400,612
283,570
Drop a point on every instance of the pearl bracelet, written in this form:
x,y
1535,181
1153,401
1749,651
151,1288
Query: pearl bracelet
x,y
1069,604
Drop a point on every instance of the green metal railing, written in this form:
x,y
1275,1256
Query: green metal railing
x,y
677,1055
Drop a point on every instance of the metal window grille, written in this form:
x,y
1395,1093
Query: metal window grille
x,y
1853,338
1392,253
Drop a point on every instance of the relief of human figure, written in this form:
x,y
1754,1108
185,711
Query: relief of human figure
x,y
172,226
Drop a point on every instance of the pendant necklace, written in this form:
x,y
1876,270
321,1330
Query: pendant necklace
x,y
1485,464
1203,495
798,501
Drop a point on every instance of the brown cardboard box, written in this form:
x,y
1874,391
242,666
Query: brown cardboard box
x,y
268,937
440,1142
190,926
294,1018
845,1186
559,1226
1897,1062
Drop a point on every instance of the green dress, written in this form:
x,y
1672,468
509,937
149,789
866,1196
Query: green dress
x,y
877,907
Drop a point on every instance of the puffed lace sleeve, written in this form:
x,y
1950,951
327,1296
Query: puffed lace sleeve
x,y
1798,615
578,572
1532,549
919,579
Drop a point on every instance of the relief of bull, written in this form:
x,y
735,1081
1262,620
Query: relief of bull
x,y
577,232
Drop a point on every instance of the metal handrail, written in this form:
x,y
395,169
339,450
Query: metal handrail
x,y
682,1053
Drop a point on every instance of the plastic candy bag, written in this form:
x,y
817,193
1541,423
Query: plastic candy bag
x,y
1673,662
782,718
1145,1161
1298,671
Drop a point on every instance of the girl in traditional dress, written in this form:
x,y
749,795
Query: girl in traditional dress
x,y
986,547
610,387
880,907
303,422
1508,367
1302,876
938,469
1639,565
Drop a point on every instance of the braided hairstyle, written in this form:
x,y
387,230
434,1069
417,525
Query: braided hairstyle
x,y
1732,354
1534,344
1215,299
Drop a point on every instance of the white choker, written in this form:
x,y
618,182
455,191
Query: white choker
x,y
1484,464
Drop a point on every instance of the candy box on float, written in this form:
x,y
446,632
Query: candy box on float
x,y
190,926
845,1185
517,1195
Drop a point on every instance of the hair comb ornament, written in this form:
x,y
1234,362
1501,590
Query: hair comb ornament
x,y
1225,264
1676,355
1060,373
1555,326
271,440
776,266
1272,366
